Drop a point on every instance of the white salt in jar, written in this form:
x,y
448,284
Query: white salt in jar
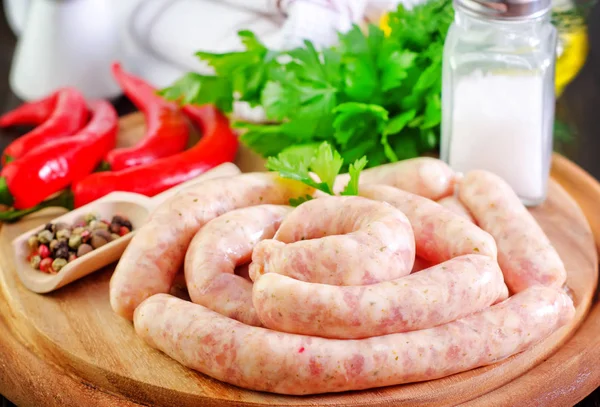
x,y
498,92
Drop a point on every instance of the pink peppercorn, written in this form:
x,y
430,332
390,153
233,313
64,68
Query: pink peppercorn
x,y
46,265
86,235
44,251
123,230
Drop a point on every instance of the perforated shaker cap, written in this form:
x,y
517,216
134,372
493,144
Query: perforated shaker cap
x,y
505,9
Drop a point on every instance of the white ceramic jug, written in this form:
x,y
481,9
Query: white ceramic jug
x,y
65,43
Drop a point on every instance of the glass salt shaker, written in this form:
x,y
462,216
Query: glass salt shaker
x,y
498,92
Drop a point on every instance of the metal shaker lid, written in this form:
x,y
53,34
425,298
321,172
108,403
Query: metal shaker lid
x,y
505,9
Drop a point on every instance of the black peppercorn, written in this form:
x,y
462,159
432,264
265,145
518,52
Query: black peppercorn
x,y
119,221
62,253
62,250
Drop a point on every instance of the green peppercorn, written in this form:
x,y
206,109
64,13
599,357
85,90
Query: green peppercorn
x,y
35,262
33,242
90,217
98,224
45,236
74,241
114,236
58,264
78,230
63,234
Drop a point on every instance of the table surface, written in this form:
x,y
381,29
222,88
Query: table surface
x,y
578,107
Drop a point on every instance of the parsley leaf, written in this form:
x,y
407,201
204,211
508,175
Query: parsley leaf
x,y
359,71
395,65
300,200
265,140
292,166
278,100
354,171
325,162
199,89
357,121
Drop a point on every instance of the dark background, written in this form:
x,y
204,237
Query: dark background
x,y
578,107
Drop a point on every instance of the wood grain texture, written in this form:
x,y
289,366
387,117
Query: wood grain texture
x,y
71,337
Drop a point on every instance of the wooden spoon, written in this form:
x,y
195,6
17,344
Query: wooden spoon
x,y
135,207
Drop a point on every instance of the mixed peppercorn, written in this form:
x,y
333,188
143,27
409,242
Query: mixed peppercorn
x,y
59,243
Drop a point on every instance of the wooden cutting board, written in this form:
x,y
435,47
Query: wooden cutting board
x,y
69,348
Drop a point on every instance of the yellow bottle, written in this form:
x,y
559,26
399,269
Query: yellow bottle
x,y
572,46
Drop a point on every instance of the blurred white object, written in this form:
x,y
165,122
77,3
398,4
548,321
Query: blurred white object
x,y
16,12
66,43
159,37
377,8
319,21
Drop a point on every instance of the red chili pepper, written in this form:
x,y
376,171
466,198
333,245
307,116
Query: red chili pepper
x,y
166,129
218,145
31,113
53,166
69,116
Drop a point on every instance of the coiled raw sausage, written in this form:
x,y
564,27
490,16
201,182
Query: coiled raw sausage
x,y
339,240
432,297
216,250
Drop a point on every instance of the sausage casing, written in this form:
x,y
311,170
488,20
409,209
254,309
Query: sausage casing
x,y
431,297
525,254
261,359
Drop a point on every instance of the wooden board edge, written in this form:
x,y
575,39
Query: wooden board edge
x,y
582,187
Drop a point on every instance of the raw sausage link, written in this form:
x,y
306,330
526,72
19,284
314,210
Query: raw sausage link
x,y
216,250
339,240
525,253
432,297
452,203
440,234
424,176
261,359
157,250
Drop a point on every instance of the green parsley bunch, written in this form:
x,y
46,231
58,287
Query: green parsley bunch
x,y
370,95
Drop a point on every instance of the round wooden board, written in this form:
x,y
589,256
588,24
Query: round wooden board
x,y
69,348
